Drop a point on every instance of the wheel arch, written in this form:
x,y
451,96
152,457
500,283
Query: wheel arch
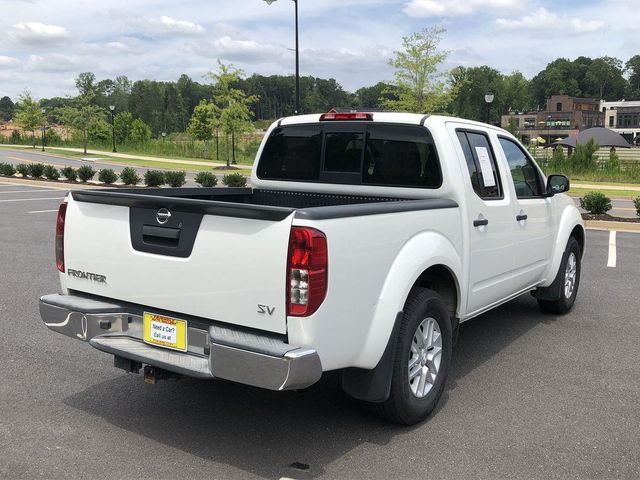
x,y
428,260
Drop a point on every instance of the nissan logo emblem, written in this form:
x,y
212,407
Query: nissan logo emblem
x,y
163,216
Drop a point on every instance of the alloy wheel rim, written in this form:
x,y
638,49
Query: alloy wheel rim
x,y
570,274
424,357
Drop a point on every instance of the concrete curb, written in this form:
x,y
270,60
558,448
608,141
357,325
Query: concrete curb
x,y
26,182
626,227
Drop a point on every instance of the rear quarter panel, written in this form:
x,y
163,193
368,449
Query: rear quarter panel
x,y
373,262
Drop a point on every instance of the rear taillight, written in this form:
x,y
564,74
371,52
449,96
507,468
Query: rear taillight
x,y
306,271
62,214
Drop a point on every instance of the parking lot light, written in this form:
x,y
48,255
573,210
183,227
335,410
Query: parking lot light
x,y
297,50
44,125
112,108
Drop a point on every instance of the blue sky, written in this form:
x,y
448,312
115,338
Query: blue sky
x,y
44,44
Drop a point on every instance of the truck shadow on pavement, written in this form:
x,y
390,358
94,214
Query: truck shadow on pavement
x,y
263,432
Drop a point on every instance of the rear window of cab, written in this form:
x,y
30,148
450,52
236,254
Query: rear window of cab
x,y
354,153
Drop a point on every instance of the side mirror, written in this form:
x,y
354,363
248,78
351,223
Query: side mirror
x,y
557,184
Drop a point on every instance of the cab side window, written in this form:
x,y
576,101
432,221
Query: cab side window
x,y
525,175
481,164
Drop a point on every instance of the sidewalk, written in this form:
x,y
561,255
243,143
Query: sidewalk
x,y
603,186
133,156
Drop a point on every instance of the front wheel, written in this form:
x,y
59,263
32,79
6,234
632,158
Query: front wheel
x,y
422,359
569,279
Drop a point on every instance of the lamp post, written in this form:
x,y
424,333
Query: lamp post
x,y
112,109
488,98
297,110
44,125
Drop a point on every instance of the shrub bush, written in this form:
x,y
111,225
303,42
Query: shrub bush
x,y
107,176
22,169
36,170
129,176
636,203
86,173
51,172
234,180
612,164
206,179
69,173
7,169
596,203
583,158
154,178
175,179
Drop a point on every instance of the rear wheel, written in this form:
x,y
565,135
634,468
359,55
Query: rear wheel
x,y
569,279
422,359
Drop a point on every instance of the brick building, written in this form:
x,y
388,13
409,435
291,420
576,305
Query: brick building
x,y
562,117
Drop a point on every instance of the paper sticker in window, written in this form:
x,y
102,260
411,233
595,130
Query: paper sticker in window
x,y
485,166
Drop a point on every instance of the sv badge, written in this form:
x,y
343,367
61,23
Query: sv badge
x,y
266,309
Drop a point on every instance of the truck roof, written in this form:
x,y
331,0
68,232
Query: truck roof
x,y
394,117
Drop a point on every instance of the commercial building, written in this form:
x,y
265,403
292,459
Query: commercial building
x,y
623,117
562,117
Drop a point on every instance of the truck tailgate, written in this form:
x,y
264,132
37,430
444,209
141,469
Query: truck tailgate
x,y
207,259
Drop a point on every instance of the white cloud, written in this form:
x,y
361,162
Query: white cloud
x,y
36,33
57,62
543,19
7,62
165,26
458,8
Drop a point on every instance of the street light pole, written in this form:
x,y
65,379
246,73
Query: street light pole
x,y
44,126
112,109
488,98
297,107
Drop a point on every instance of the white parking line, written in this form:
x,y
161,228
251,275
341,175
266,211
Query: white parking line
x,y
31,199
43,211
28,191
612,249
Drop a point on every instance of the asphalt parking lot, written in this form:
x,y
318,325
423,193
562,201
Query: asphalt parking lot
x,y
530,395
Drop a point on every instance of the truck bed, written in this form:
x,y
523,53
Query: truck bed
x,y
258,204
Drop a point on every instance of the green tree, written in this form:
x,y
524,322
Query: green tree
x,y
604,78
86,85
140,131
29,116
233,104
632,67
123,123
203,122
375,96
6,109
81,119
516,94
420,85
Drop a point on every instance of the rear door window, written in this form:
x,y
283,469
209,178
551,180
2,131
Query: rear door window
x,y
401,156
292,153
481,164
352,153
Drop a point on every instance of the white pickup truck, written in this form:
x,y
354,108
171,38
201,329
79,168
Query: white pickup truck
x,y
362,243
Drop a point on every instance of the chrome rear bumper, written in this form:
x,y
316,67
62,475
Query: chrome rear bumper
x,y
213,351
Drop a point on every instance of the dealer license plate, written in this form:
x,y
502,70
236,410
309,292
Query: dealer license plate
x,y
165,331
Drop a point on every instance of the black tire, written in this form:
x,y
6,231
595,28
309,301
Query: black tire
x,y
403,406
563,304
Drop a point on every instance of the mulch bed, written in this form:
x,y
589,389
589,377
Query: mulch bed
x,y
610,218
